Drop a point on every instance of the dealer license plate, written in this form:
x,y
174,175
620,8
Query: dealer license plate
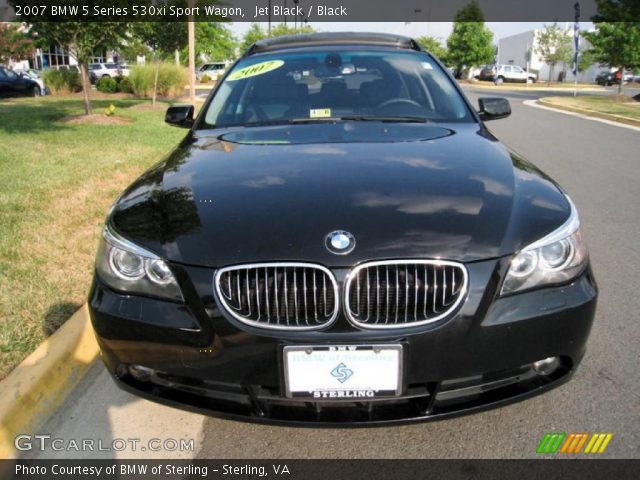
x,y
343,372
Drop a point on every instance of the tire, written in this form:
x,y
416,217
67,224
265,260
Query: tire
x,y
499,80
35,91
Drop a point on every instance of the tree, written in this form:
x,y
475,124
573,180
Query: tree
x,y
15,43
282,29
215,41
81,40
616,40
161,39
433,46
252,35
471,42
554,46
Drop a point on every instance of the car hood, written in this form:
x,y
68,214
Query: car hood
x,y
274,193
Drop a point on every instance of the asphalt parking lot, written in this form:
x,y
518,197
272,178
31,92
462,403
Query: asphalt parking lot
x,y
599,165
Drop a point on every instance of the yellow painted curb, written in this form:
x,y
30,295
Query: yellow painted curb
x,y
37,387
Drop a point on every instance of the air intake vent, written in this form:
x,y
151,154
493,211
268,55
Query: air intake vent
x,y
285,296
394,294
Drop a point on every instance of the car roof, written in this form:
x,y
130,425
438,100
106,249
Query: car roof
x,y
333,38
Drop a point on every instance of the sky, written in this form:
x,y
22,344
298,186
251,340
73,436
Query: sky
x,y
439,30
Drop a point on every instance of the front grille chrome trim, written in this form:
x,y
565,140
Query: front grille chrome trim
x,y
393,323
284,320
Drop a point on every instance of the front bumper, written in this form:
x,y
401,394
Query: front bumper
x,y
480,358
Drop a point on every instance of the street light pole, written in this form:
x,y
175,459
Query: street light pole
x,y
191,32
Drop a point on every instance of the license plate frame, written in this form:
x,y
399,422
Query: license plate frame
x,y
335,387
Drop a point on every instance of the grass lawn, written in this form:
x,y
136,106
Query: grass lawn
x,y
608,105
57,181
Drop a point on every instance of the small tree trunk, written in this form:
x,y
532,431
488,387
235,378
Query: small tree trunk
x,y
155,83
86,86
620,82
177,56
550,75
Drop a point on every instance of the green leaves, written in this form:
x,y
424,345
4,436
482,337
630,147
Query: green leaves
x,y
433,46
470,44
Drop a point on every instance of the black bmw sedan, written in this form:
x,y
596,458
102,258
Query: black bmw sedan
x,y
340,240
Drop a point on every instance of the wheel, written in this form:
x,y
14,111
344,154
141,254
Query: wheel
x,y
499,80
35,91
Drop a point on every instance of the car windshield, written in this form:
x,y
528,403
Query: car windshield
x,y
310,86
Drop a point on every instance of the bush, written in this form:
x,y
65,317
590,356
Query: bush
x,y
205,78
124,85
62,81
107,85
171,80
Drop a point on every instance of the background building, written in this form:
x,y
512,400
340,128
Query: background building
x,y
513,50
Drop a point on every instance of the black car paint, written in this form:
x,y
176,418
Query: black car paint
x,y
237,195
446,191
15,85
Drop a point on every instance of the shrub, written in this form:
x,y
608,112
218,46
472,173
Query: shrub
x,y
171,80
124,85
205,78
107,85
62,81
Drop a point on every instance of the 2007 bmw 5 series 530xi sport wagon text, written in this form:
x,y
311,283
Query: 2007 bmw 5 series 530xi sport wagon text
x,y
340,240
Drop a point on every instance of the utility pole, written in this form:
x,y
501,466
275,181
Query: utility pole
x,y
191,31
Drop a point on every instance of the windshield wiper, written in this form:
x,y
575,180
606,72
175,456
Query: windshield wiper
x,y
356,118
385,118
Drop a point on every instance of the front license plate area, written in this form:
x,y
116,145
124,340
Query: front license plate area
x,y
343,372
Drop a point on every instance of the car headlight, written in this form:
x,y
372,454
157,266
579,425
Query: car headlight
x,y
126,267
555,258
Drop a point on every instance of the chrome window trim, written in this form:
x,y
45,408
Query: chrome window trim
x,y
226,308
354,272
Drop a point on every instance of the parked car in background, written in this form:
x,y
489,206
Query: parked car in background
x,y
33,75
507,73
212,70
112,70
606,78
13,84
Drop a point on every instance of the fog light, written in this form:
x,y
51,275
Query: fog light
x,y
140,373
546,366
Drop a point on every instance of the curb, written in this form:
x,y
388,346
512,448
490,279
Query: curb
x,y
531,88
591,113
39,385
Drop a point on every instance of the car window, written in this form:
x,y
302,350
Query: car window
x,y
94,66
11,75
517,69
320,84
3,75
111,65
507,69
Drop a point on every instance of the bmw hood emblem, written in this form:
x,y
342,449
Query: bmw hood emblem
x,y
340,242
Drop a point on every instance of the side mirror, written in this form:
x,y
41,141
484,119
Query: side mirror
x,y
180,116
493,108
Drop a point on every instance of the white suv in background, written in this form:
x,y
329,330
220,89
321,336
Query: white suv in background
x,y
507,73
213,70
112,70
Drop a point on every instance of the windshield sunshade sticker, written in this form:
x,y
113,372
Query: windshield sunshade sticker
x,y
255,70
320,113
